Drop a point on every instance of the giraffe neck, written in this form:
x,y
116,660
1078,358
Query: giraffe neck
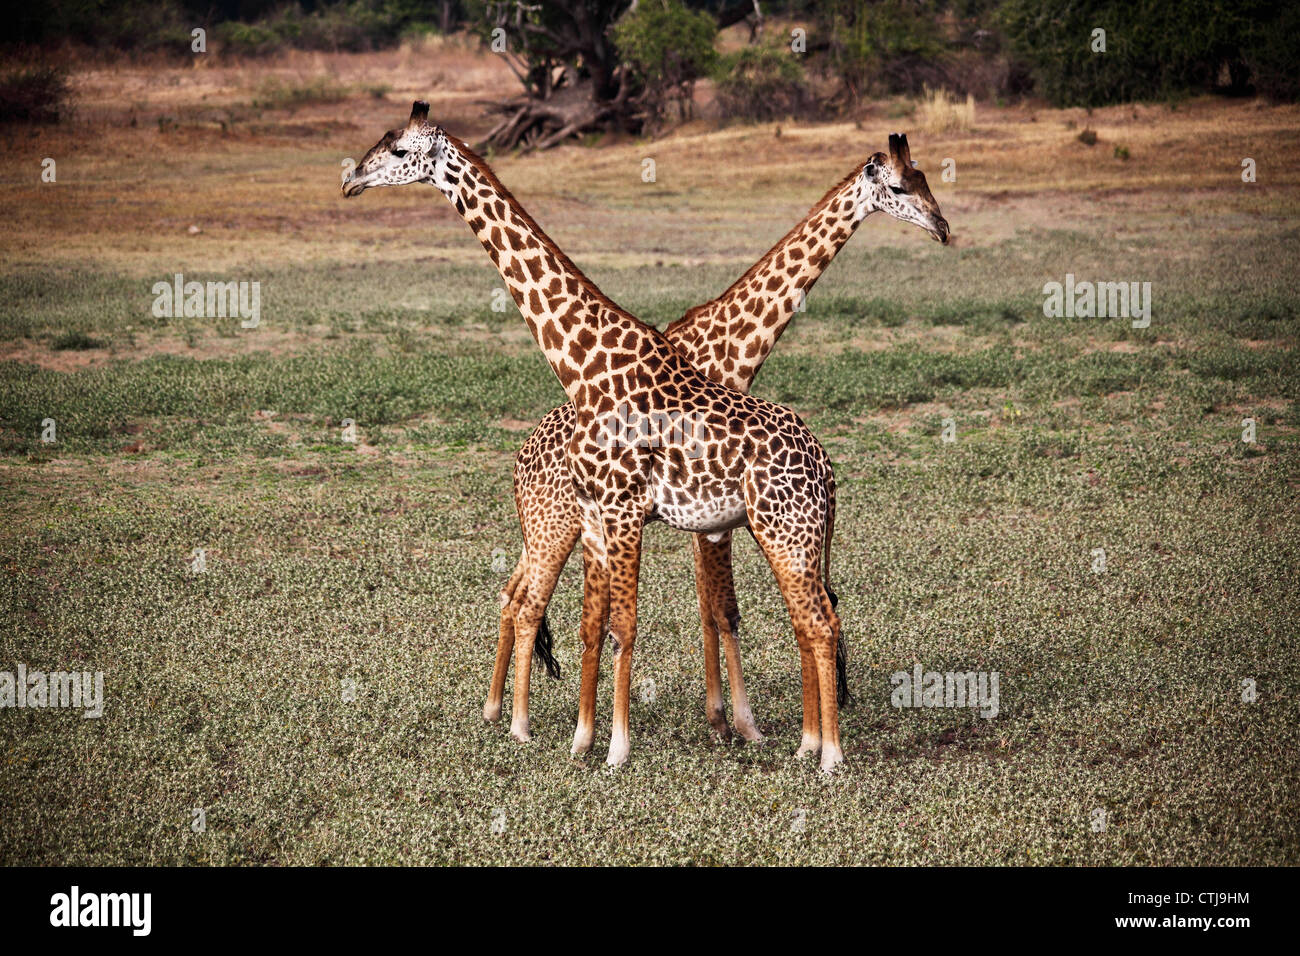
x,y
729,338
583,334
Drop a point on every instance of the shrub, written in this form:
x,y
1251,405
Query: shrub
x,y
762,83
1154,49
249,39
274,94
939,112
348,26
668,48
39,94
892,46
1272,55
77,341
116,24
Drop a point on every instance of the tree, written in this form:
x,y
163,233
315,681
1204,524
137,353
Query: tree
x,y
562,54
593,64
667,48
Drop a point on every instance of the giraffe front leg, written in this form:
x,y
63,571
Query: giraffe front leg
x,y
713,708
623,541
595,618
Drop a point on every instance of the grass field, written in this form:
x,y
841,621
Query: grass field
x,y
375,565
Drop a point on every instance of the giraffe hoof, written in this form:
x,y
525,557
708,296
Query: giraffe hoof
x,y
721,730
809,745
617,755
751,735
491,713
519,731
832,760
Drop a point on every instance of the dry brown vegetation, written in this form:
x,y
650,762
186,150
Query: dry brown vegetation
x,y
153,152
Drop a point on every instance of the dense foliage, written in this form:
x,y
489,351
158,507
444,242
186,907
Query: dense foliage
x,y
1154,48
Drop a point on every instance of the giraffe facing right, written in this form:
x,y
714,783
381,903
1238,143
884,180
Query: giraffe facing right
x,y
728,339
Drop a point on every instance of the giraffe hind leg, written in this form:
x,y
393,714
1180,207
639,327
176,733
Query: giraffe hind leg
x,y
505,640
713,708
717,587
842,695
623,546
595,618
543,574
816,628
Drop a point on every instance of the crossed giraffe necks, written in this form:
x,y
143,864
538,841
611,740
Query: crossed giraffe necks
x,y
728,339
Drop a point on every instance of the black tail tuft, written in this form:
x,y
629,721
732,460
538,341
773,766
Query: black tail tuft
x,y
542,648
842,695
835,601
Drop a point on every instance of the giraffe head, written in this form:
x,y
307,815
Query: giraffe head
x,y
893,184
415,153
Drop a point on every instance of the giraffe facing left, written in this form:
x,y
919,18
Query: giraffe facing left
x,y
740,462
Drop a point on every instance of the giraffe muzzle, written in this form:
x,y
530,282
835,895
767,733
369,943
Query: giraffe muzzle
x,y
940,231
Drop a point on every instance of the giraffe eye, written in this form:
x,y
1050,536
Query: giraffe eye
x,y
399,153
896,190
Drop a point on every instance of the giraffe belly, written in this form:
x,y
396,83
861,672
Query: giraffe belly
x,y
721,510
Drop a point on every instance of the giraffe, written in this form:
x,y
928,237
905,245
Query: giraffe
x,y
727,459
728,339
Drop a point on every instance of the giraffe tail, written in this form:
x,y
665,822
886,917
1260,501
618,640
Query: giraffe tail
x,y
542,647
842,695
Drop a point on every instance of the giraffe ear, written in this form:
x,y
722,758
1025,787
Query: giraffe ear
x,y
904,152
419,114
877,168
